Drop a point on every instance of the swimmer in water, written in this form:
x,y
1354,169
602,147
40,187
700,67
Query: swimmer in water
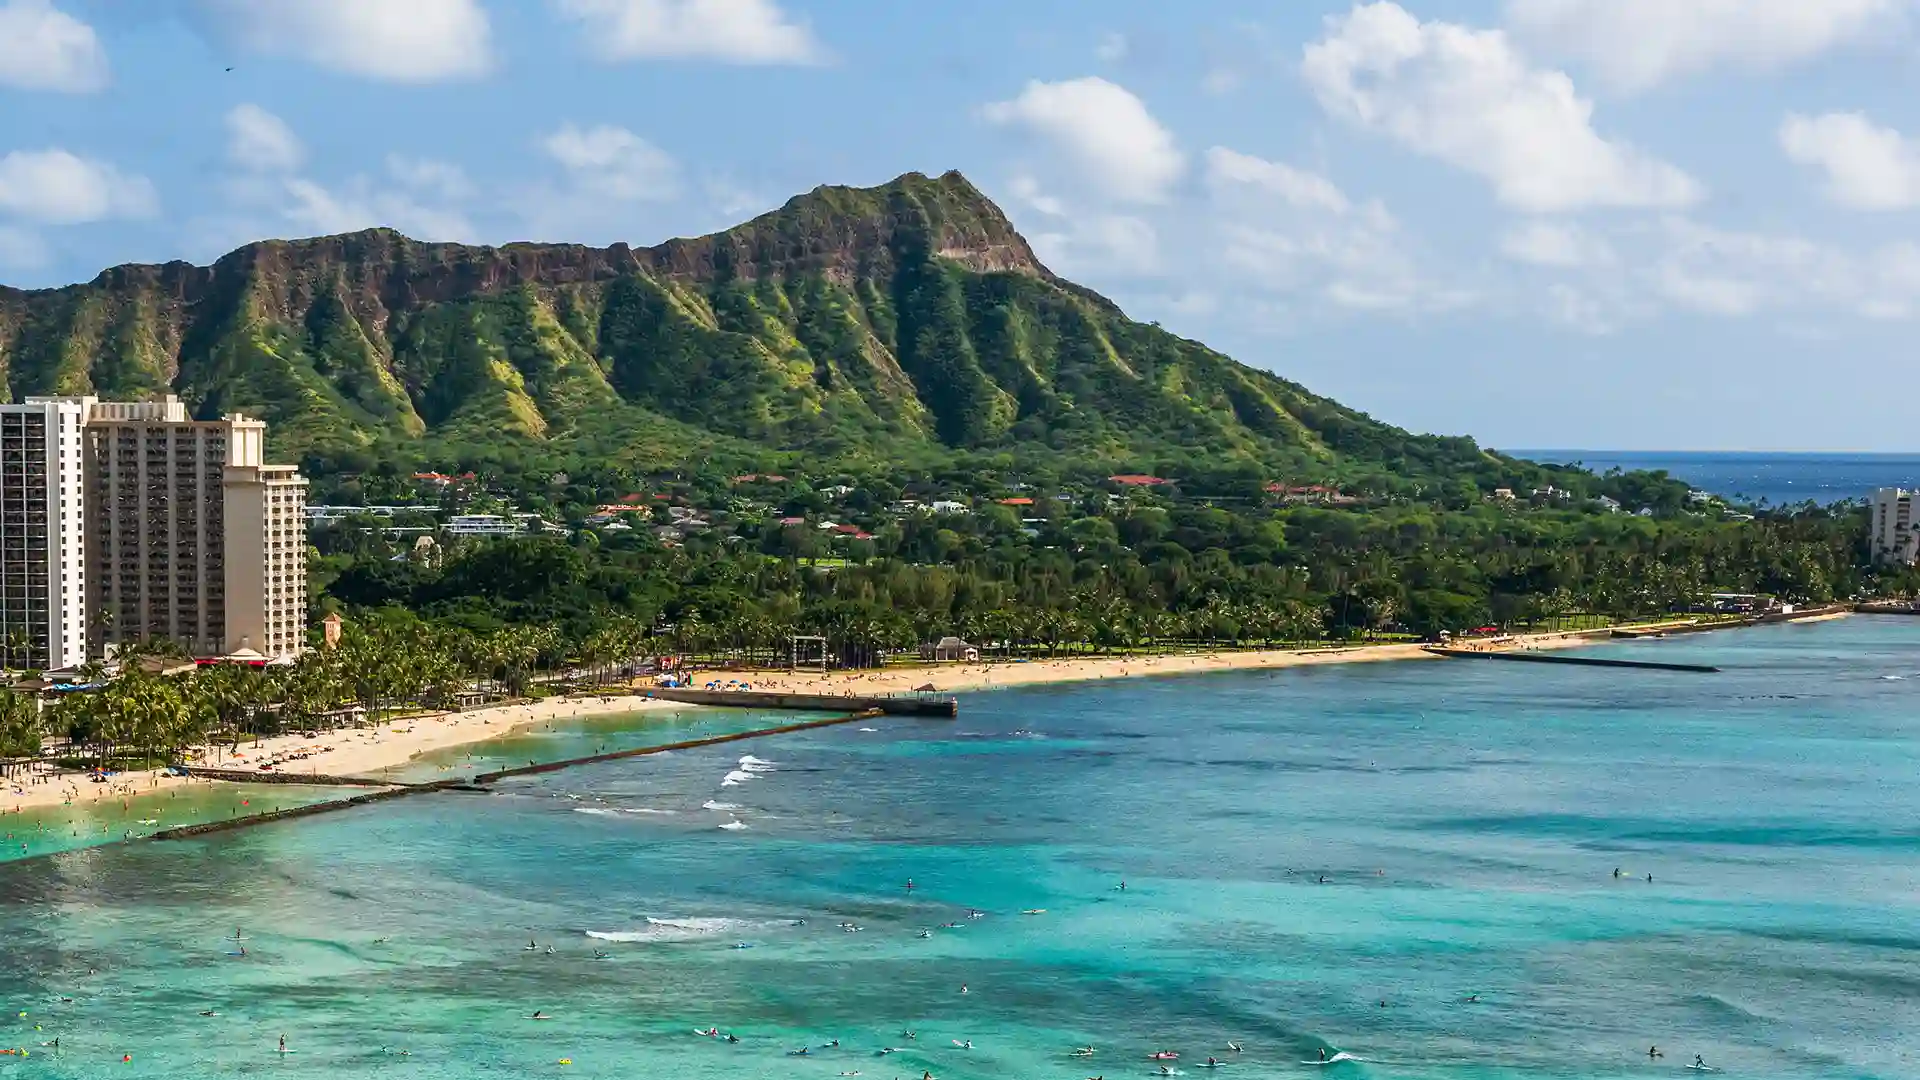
x,y
963,988
538,1015
1654,1052
1234,1046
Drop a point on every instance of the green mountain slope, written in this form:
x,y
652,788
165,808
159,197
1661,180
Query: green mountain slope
x,y
904,322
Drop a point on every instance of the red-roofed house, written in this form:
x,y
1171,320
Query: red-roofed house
x,y
635,497
1139,480
1017,500
793,521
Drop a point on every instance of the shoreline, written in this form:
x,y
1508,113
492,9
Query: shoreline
x,y
396,743
364,751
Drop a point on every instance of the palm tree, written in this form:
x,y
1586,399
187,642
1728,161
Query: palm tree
x,y
18,646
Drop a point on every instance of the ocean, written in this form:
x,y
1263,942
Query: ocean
x,y
1780,479
1409,864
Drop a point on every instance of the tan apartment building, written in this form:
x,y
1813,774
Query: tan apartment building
x,y
190,535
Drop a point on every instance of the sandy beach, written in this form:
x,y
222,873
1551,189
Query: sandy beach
x,y
347,752
367,751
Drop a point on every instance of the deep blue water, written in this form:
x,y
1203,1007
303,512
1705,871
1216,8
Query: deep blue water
x,y
1778,478
1299,848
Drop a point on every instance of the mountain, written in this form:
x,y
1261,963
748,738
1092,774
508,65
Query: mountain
x,y
906,322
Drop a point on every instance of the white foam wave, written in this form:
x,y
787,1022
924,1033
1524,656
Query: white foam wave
x,y
735,825
715,804
647,810
749,761
595,810
737,776
659,930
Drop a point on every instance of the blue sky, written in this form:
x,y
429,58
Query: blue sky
x,y
1599,223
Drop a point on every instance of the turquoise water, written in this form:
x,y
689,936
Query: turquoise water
x,y
41,831
1466,817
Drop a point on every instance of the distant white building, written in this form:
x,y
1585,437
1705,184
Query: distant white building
x,y
1894,536
499,525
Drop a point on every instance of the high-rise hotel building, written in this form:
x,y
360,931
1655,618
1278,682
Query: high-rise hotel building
x,y
123,521
43,585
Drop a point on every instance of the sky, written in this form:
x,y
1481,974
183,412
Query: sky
x,y
1626,224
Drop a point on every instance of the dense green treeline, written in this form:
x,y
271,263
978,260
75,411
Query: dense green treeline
x,y
1129,573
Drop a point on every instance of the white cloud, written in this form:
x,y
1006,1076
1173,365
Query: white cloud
x,y
1298,187
1106,131
1734,274
257,140
1028,190
22,249
1868,167
735,31
364,203
415,41
44,48
1578,310
420,197
1293,232
60,188
440,179
1557,244
1467,97
735,201
614,163
1636,44
1107,243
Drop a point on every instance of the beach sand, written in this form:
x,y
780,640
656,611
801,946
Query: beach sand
x,y
366,751
347,752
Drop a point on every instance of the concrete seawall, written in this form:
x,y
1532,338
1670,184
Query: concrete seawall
x,y
644,751
1522,656
185,832
840,703
390,790
244,776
